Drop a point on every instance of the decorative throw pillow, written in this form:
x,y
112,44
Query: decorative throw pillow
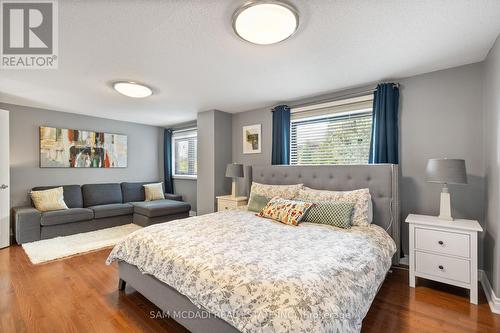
x,y
360,197
48,200
285,211
271,191
153,192
338,214
257,202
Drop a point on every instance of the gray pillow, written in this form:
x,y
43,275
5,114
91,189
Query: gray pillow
x,y
257,202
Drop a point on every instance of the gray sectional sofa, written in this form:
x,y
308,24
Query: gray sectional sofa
x,y
96,206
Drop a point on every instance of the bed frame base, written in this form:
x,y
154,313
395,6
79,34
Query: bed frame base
x,y
171,302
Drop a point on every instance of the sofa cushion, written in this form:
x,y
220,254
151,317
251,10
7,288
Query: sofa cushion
x,y
160,207
66,216
110,210
101,194
72,194
133,191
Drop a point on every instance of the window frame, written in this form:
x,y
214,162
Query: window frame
x,y
316,112
178,134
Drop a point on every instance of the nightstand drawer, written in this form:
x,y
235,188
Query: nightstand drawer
x,y
443,267
228,202
442,242
226,205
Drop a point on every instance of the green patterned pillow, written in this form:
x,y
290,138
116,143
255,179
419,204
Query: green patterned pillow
x,y
257,202
338,214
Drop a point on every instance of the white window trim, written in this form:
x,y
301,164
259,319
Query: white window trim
x,y
303,111
180,136
365,98
185,177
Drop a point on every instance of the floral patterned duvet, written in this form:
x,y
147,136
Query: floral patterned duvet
x,y
264,276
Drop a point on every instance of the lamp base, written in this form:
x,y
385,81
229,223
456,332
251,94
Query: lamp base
x,y
445,207
233,188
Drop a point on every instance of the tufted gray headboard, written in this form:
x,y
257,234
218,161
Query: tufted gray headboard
x,y
381,179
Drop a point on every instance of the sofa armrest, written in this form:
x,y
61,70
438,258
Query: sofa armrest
x,y
27,224
171,196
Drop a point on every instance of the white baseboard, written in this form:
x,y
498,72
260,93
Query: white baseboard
x,y
405,260
192,213
493,300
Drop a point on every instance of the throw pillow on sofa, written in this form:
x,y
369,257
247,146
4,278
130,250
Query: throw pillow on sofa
x,y
154,192
49,200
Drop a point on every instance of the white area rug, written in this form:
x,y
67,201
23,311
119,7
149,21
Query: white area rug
x,y
60,247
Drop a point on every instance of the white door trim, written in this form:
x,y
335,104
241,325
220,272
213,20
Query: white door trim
x,y
4,180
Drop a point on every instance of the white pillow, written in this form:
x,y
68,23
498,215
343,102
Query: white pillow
x,y
361,198
49,200
153,192
271,191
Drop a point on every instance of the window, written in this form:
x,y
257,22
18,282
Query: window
x,y
184,153
332,133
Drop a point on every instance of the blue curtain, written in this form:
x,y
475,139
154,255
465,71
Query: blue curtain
x,y
167,160
384,147
281,135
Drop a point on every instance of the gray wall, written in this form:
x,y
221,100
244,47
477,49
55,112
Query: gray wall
x,y
492,157
263,117
223,151
145,153
214,153
206,166
441,115
187,188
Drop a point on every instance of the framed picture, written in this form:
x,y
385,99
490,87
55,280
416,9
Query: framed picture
x,y
71,148
252,139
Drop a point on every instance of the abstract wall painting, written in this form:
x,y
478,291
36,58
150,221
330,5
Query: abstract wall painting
x,y
71,148
252,139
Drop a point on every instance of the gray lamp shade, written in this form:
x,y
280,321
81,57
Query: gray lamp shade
x,y
446,171
234,170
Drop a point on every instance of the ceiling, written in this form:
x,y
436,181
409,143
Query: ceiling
x,y
186,50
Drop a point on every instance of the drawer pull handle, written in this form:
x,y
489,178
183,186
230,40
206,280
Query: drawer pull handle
x,y
441,267
440,243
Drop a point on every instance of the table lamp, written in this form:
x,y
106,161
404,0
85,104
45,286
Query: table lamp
x,y
446,171
234,171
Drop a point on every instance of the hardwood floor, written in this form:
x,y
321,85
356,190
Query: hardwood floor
x,y
80,295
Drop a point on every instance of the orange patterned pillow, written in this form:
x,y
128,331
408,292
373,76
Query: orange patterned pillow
x,y
285,211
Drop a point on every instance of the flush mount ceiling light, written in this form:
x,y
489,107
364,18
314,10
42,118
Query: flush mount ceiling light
x,y
265,22
132,89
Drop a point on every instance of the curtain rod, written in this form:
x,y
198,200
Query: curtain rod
x,y
180,130
338,97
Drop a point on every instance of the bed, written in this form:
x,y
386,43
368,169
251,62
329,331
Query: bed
x,y
235,272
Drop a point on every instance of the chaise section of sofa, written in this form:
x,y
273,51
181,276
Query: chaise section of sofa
x,y
152,212
96,206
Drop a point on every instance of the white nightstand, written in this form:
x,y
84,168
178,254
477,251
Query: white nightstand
x,y
444,251
226,202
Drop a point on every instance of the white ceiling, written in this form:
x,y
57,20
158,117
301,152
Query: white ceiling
x,y
186,50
